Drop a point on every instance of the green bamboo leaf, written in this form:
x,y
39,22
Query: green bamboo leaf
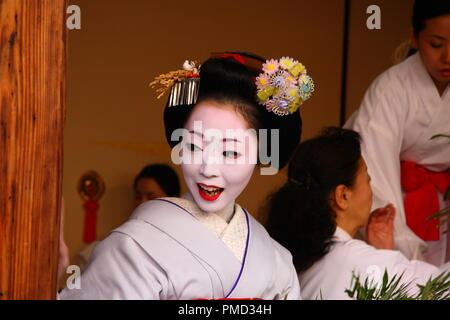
x,y
447,194
437,288
444,220
425,292
443,212
440,136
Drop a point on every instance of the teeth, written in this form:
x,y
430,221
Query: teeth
x,y
210,191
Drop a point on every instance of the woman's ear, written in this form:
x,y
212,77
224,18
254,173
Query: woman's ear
x,y
341,197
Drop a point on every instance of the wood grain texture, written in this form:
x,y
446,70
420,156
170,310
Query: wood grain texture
x,y
32,108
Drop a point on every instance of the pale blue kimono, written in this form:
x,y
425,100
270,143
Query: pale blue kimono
x,y
165,252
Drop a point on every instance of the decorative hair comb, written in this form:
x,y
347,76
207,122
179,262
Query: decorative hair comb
x,y
183,84
283,86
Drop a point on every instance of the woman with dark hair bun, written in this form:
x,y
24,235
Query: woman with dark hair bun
x,y
318,211
155,181
402,111
220,120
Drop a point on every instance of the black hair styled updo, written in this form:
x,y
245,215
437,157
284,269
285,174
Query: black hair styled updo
x,y
228,81
424,10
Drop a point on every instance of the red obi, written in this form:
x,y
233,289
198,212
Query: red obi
x,y
422,200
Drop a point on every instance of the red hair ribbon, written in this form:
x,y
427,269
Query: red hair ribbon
x,y
235,56
421,199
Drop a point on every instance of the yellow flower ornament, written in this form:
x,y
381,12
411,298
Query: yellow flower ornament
x,y
283,86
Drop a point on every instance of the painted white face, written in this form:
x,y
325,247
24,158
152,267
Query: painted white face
x,y
219,154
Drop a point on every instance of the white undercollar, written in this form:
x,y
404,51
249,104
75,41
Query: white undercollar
x,y
342,235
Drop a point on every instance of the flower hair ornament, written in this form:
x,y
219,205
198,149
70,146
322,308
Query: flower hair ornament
x,y
183,84
283,86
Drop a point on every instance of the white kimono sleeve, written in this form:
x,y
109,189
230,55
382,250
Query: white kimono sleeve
x,y
381,121
119,269
287,275
293,290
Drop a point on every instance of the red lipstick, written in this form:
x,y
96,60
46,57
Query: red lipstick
x,y
445,73
209,193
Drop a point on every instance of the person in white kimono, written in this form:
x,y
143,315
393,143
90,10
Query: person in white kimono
x,y
402,110
317,212
204,245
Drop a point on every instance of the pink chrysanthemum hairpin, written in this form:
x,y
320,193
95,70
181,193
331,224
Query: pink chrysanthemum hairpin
x,y
283,86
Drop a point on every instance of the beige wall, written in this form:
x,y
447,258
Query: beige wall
x,y
372,51
114,123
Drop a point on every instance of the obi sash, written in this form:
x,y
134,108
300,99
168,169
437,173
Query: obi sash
x,y
422,199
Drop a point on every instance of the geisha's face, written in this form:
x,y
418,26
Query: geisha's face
x,y
218,155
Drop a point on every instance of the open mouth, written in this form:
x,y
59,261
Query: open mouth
x,y
209,193
445,73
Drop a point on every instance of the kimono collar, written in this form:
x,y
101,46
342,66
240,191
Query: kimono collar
x,y
228,211
233,234
341,235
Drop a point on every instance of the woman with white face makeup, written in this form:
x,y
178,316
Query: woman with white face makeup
x,y
318,211
214,181
204,245
402,110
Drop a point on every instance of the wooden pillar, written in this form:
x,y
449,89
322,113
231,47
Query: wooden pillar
x,y
32,105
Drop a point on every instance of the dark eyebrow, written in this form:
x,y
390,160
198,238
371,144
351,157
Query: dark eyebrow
x,y
223,140
438,37
197,133
230,139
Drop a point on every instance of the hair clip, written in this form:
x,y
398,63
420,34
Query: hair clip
x,y
183,84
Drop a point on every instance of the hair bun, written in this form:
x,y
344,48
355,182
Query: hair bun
x,y
228,79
